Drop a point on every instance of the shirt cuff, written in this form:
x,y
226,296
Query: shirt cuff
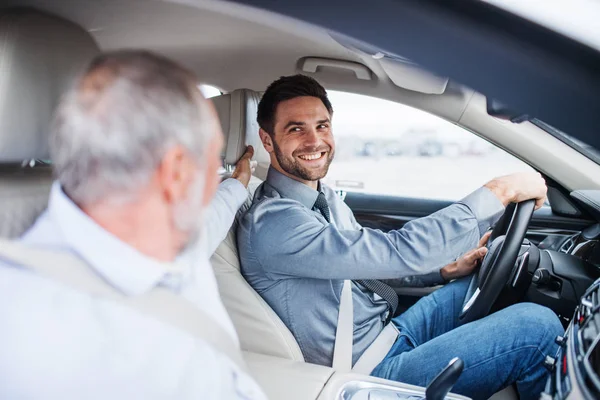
x,y
485,206
431,279
238,191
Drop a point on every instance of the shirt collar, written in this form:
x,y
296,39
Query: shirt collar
x,y
120,264
293,189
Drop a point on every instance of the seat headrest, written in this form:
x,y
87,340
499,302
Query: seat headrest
x,y
41,54
237,113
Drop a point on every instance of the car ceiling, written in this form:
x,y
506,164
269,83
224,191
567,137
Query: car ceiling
x,y
530,67
224,50
233,46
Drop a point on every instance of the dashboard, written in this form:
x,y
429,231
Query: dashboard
x,y
569,263
575,370
584,245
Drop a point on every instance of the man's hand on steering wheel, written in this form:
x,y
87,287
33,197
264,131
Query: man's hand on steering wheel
x,y
519,187
466,263
528,191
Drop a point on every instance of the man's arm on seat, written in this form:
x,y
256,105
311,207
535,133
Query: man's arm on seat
x,y
230,196
221,212
286,240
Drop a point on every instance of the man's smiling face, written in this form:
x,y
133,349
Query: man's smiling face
x,y
302,142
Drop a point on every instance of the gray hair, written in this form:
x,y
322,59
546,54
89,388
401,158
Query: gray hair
x,y
113,128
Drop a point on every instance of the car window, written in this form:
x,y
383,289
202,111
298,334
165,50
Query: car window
x,y
388,148
209,91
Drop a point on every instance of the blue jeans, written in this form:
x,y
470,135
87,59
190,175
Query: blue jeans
x,y
504,348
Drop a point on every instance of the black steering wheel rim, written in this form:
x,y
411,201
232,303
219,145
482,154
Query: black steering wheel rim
x,y
498,264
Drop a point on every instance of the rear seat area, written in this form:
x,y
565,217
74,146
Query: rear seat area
x,y
41,54
45,69
24,192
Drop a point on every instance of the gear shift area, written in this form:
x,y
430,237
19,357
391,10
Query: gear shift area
x,y
438,388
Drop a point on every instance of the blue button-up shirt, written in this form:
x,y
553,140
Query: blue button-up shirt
x,y
297,261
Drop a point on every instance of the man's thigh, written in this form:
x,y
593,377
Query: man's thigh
x,y
435,314
504,348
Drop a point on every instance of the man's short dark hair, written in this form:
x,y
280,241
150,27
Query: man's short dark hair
x,y
287,88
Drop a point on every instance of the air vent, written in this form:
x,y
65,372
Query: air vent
x,y
568,245
590,302
588,317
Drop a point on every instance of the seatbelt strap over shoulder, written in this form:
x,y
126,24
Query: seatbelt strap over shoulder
x,y
344,338
159,303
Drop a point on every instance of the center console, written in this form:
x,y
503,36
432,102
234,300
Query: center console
x,y
292,380
576,368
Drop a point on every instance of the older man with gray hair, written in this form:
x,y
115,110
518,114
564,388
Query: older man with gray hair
x,y
136,150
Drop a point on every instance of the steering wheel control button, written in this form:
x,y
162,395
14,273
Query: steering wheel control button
x,y
549,363
541,276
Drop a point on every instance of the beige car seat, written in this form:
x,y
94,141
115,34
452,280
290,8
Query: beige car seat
x,y
41,54
259,328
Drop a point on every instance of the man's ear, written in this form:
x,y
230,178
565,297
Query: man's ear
x,y
175,174
266,140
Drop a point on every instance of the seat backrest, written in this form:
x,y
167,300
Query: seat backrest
x,y
24,195
237,113
41,54
259,328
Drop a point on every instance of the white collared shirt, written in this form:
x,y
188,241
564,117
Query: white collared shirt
x,y
57,342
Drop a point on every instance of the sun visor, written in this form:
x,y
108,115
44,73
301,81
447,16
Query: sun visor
x,y
409,76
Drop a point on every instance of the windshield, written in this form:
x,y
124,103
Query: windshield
x,y
584,148
577,19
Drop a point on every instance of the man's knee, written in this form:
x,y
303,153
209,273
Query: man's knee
x,y
534,319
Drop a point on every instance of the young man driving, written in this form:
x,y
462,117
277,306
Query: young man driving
x,y
299,242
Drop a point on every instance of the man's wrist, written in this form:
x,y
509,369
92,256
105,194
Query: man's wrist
x,y
447,273
502,191
237,192
244,180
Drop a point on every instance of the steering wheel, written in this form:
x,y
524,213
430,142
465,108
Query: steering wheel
x,y
498,264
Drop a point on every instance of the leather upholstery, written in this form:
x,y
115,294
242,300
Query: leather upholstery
x,y
40,56
291,380
237,113
23,196
259,328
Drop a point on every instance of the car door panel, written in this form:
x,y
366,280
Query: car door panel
x,y
390,212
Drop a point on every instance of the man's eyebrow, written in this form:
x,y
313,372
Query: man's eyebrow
x,y
293,123
324,121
